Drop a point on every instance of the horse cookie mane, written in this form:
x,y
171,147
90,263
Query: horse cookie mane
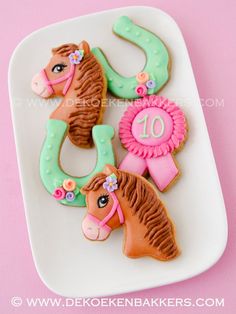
x,y
144,202
88,88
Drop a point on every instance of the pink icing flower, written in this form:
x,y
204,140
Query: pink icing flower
x,y
141,90
59,193
69,185
142,77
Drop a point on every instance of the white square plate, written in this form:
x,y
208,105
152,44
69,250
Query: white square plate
x,y
69,264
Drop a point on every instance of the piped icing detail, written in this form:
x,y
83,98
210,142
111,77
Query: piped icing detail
x,y
144,84
70,196
141,90
67,191
111,183
142,77
59,193
69,185
151,84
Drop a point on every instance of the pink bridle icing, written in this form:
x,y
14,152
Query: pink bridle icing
x,y
67,77
115,208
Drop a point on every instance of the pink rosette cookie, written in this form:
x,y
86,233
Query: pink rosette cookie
x,y
152,129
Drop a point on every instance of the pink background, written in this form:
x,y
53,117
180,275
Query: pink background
x,y
209,30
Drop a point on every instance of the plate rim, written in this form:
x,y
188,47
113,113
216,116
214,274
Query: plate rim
x,y
122,290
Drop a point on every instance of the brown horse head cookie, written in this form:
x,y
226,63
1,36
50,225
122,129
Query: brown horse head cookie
x,y
74,73
116,197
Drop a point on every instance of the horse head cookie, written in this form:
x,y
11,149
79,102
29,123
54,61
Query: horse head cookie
x,y
116,198
75,74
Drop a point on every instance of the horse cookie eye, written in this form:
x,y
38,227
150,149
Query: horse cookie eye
x,y
58,68
102,201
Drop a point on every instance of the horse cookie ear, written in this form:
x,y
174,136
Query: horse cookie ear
x,y
109,169
84,46
82,191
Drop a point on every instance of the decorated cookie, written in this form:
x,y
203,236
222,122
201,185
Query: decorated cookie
x,y
152,130
74,73
63,187
156,71
114,198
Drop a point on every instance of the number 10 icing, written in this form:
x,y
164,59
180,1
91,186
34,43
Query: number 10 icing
x,y
152,129
153,132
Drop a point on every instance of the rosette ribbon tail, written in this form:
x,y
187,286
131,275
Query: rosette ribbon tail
x,y
162,169
133,163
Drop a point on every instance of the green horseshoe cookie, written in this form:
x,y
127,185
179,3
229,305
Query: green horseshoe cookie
x,y
156,71
52,175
